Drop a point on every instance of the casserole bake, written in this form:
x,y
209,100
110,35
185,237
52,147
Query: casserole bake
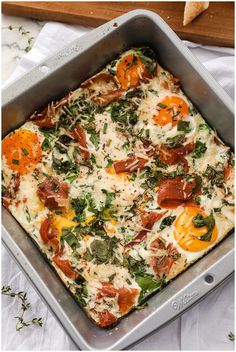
x,y
121,184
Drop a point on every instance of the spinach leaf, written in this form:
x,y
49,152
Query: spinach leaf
x,y
134,266
147,283
209,222
167,221
183,126
102,251
69,237
200,149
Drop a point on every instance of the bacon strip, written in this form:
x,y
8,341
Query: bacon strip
x,y
46,117
149,221
47,233
163,263
79,135
53,193
130,165
176,155
174,192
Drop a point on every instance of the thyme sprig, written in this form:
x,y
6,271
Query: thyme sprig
x,y
231,336
25,33
25,305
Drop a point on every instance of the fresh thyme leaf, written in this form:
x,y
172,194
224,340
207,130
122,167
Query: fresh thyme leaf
x,y
231,336
25,305
15,161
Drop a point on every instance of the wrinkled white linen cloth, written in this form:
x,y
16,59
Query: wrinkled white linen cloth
x,y
204,327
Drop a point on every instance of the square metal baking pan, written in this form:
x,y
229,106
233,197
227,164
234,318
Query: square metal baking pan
x,y
51,80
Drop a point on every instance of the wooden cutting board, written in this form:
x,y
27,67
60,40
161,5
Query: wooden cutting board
x,y
214,27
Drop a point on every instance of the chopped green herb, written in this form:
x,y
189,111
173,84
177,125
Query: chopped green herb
x,y
176,141
167,221
105,126
209,222
183,126
15,161
200,149
204,127
163,106
46,144
25,151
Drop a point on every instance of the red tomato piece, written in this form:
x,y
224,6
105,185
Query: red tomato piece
x,y
126,298
108,289
65,267
106,318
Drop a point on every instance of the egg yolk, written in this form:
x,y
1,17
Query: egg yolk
x,y
22,150
186,234
122,175
129,71
171,110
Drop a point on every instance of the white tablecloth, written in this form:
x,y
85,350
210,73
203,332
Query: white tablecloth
x,y
205,327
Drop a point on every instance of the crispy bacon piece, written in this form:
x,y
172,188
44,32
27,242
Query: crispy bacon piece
x,y
107,98
108,289
126,298
46,117
129,165
101,77
174,192
79,135
106,318
53,193
47,232
148,220
176,155
163,263
65,267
